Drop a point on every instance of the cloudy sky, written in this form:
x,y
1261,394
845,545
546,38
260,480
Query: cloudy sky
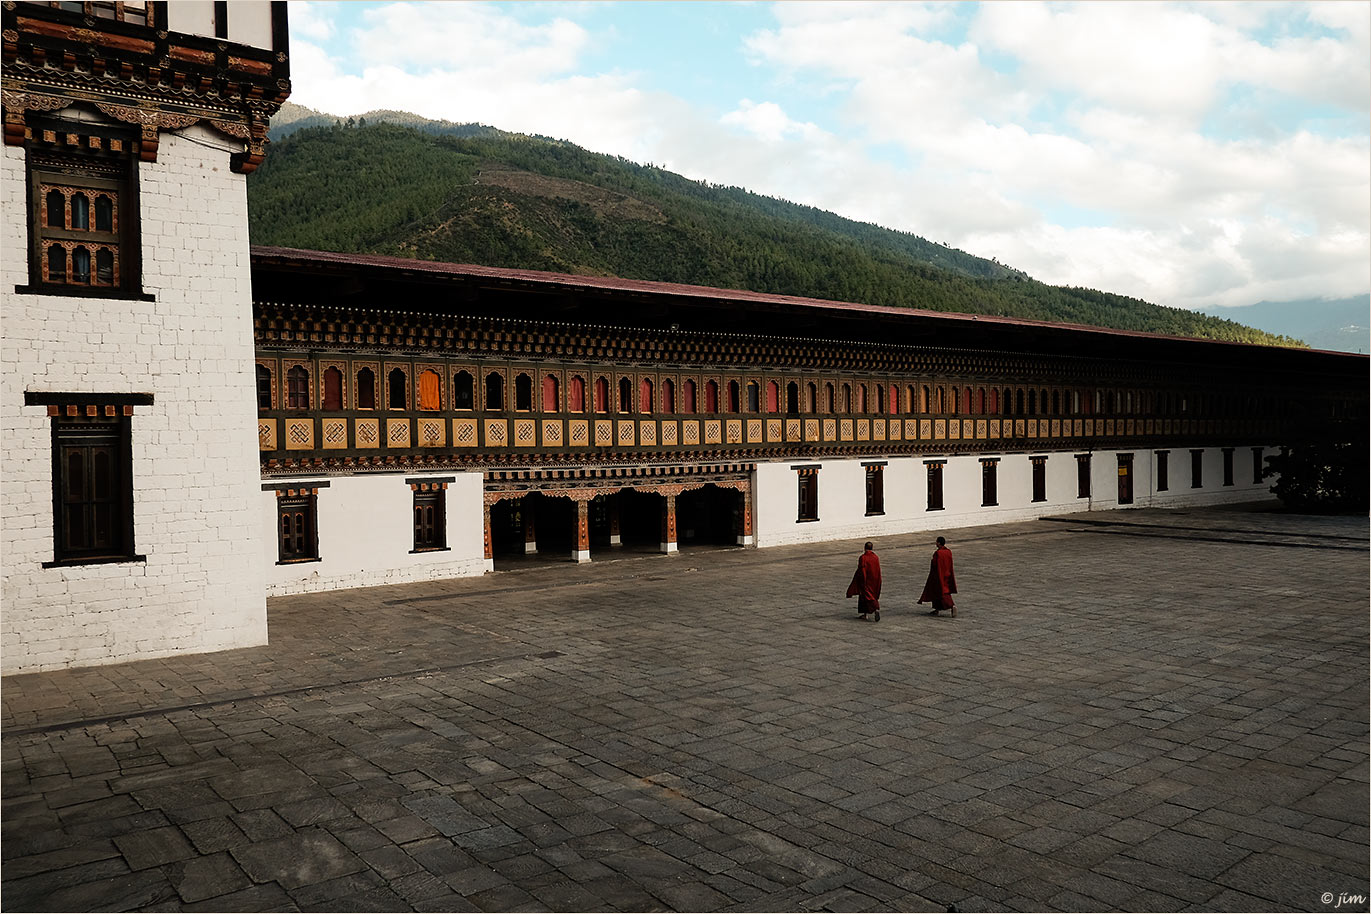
x,y
1191,154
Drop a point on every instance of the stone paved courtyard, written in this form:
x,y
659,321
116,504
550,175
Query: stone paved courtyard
x,y
1142,710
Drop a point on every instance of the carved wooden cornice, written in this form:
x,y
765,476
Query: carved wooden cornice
x,y
150,78
288,326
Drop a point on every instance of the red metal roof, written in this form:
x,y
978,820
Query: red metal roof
x,y
646,287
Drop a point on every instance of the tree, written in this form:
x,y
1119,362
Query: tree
x,y
1322,478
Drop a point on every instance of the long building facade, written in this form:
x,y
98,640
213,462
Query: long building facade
x,y
420,420
417,421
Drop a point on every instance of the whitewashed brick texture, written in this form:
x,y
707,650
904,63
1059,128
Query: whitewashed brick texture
x,y
195,467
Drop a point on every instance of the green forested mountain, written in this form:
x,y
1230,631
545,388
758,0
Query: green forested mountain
x,y
466,193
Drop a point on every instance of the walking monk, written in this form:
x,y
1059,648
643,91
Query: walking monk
x,y
942,584
866,584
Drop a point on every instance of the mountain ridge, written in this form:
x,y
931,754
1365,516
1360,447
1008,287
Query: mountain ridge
x,y
469,193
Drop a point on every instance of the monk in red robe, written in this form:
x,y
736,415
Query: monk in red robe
x,y
866,584
942,583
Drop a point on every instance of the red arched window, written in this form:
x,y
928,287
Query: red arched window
x,y
645,397
773,397
669,396
333,388
602,395
955,404
711,397
576,395
549,394
688,397
733,396
893,404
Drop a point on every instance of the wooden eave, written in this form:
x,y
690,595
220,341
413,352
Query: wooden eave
x,y
376,281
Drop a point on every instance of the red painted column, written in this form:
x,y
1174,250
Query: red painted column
x,y
490,560
669,524
581,553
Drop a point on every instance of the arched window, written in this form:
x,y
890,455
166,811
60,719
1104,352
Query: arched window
x,y
994,406
645,397
753,396
688,396
792,398
955,401
942,399
602,395
1110,404
1018,402
811,398
57,209
880,399
845,404
104,267
1032,402
57,263
523,393
550,397
830,406
860,391
1008,402
463,391
396,382
669,396
1056,403
80,212
80,265
625,395
980,401
430,390
333,388
495,391
263,387
104,213
733,396
576,394
893,404
297,388
366,389
711,397
1042,402
773,397
967,401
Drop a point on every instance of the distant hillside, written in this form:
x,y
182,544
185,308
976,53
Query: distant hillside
x,y
466,193
1337,324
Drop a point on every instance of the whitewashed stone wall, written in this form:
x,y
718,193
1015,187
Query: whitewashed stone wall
x,y
195,465
366,534
842,492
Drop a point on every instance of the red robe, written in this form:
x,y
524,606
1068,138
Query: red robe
x,y
866,583
942,584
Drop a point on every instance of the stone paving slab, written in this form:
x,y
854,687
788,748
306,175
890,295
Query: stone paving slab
x,y
1142,710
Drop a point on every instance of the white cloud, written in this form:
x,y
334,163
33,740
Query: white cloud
x,y
1069,140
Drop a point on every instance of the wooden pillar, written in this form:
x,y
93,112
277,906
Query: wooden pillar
x,y
490,557
612,503
669,524
581,551
530,527
745,537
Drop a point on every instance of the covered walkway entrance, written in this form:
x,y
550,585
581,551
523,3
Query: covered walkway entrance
x,y
568,513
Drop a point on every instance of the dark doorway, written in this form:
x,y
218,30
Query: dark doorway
x,y
640,519
708,516
507,527
1125,479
